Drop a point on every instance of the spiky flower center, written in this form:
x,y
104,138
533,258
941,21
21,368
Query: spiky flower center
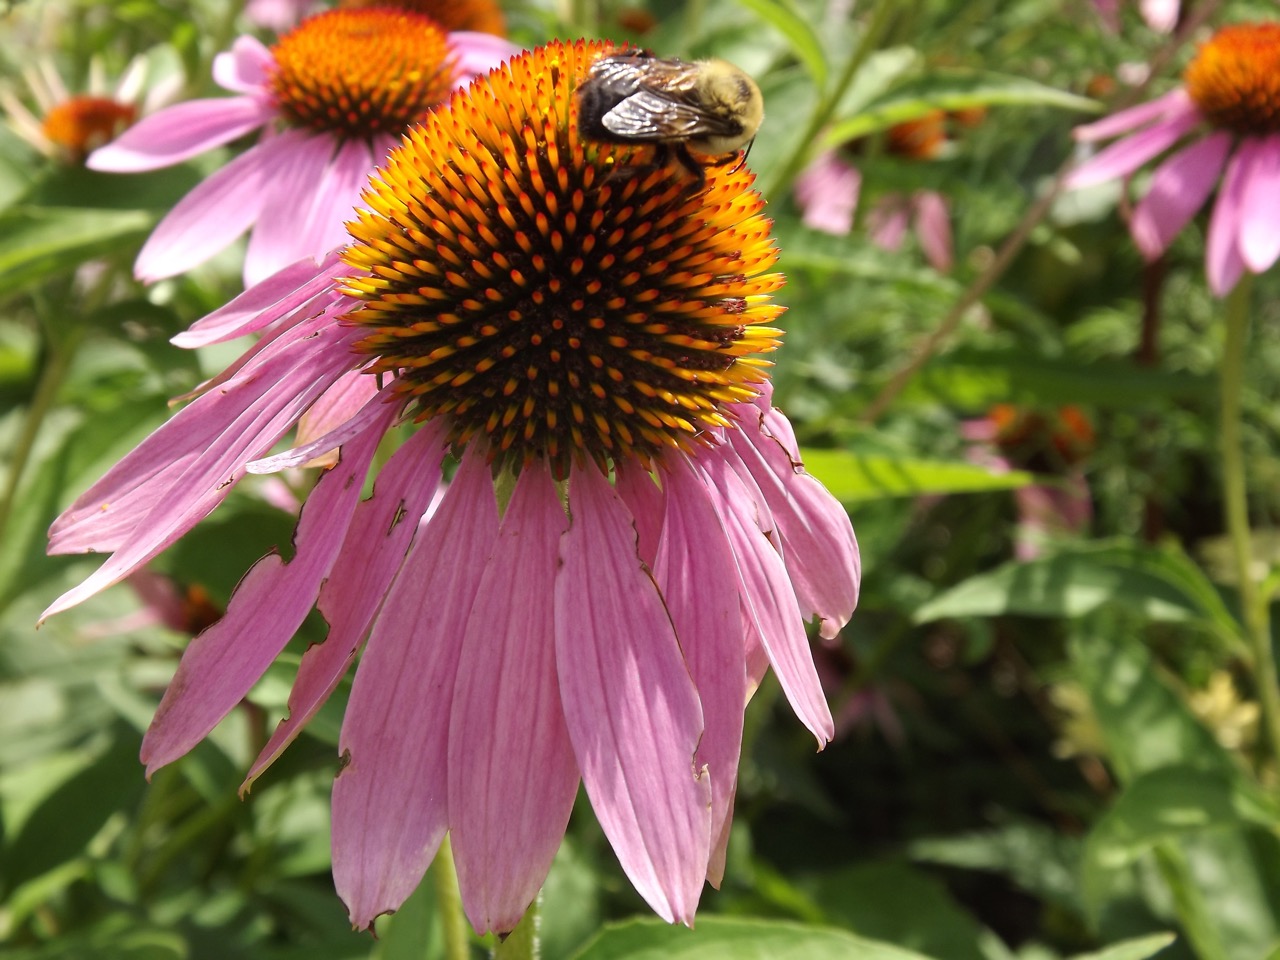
x,y
554,298
81,124
359,73
1235,78
484,16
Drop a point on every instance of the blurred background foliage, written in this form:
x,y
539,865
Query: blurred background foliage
x,y
1048,730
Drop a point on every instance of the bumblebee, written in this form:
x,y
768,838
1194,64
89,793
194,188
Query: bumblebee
x,y
706,105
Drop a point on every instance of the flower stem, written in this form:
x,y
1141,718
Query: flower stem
x,y
1254,608
51,378
821,116
449,902
522,943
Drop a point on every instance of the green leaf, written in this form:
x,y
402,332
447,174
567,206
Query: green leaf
x,y
952,91
37,243
1145,724
852,477
1138,948
784,17
1071,583
976,379
1040,860
58,830
717,938
900,904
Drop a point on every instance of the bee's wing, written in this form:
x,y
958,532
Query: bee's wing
x,y
647,115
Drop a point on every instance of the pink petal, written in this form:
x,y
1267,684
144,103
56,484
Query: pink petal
x,y
1125,156
1260,227
1223,262
1160,15
768,596
933,229
477,53
827,192
643,500
179,474
1179,188
887,221
311,193
337,406
180,132
371,556
212,215
695,571
390,801
1173,103
820,550
373,410
263,304
269,604
512,775
631,708
244,68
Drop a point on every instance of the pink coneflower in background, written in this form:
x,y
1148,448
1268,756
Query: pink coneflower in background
x,y
1054,444
69,126
334,95
828,193
555,313
1160,15
1230,104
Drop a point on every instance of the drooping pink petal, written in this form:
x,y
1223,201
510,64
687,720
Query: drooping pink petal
x,y
213,214
477,53
720,846
359,421
1223,262
695,571
512,774
630,705
1260,226
887,221
933,229
820,551
768,597
1125,156
1179,188
244,68
644,501
179,474
827,192
1173,103
375,547
269,604
338,405
390,801
264,304
180,132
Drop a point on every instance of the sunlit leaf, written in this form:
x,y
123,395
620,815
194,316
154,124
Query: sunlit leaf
x,y
717,938
852,477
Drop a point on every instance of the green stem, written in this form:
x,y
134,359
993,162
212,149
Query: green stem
x,y
449,901
51,379
1253,607
821,116
522,943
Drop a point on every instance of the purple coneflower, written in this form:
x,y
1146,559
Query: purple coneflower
x,y
334,95
1230,102
577,326
69,126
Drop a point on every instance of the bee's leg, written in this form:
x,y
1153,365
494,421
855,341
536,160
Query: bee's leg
x,y
685,159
